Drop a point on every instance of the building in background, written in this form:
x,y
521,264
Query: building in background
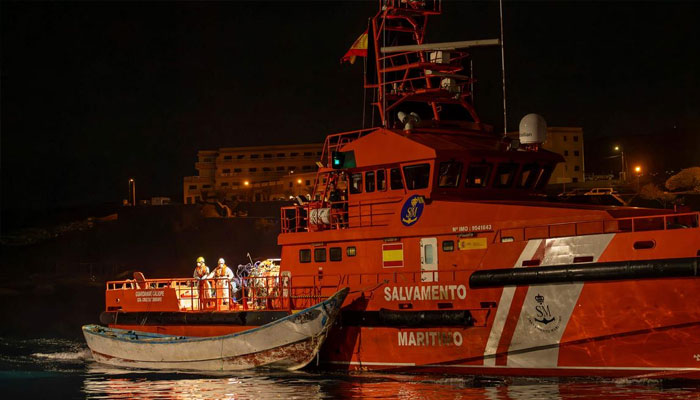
x,y
259,173
567,141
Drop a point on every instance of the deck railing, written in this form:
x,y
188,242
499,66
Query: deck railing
x,y
220,294
618,225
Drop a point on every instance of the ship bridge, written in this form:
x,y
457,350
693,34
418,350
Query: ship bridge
x,y
365,175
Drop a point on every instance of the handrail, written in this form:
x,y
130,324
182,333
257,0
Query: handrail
x,y
614,225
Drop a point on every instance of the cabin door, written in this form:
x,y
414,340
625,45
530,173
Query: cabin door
x,y
428,260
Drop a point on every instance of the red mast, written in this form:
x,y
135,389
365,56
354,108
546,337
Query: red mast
x,y
410,71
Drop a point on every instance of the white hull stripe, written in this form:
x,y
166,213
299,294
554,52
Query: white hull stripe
x,y
504,303
552,304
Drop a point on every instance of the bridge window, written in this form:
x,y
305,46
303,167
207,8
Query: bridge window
x,y
369,181
417,176
381,180
356,183
335,254
528,176
320,254
450,172
304,256
505,174
351,251
395,179
478,175
544,177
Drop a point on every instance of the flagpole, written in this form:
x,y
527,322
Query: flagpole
x,y
503,71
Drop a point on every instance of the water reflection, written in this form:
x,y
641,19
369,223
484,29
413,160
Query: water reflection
x,y
121,384
29,366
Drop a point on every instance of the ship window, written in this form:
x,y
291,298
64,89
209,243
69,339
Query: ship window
x,y
369,181
320,254
478,175
504,175
528,176
450,172
226,171
356,183
280,155
267,155
280,168
227,157
448,245
335,254
544,177
351,251
396,182
428,248
255,156
252,169
240,156
237,170
293,154
304,255
224,183
192,187
417,176
381,180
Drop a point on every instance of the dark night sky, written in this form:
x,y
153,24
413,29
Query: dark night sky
x,y
95,93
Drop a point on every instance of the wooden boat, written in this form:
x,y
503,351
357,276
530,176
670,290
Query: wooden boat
x,y
289,343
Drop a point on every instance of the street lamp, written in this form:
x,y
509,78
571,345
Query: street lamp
x,y
623,171
638,171
132,191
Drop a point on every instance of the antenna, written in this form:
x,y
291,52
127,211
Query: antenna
x,y
503,71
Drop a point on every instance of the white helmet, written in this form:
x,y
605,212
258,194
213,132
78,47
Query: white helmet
x,y
221,261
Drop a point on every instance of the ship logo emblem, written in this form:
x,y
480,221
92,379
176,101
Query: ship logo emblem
x,y
412,210
543,319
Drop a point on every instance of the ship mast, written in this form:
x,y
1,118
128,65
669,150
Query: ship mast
x,y
408,73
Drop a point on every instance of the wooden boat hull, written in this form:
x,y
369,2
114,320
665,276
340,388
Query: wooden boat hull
x,y
289,343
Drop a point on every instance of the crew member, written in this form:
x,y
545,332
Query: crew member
x,y
200,273
223,276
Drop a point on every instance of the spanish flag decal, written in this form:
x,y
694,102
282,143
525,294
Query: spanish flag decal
x,y
392,255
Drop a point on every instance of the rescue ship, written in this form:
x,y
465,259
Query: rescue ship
x,y
455,260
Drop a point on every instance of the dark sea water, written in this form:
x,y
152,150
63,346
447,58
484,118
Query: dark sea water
x,y
63,369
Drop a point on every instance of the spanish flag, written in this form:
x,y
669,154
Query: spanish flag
x,y
358,48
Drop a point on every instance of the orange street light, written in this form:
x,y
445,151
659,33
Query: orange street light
x,y
132,192
638,170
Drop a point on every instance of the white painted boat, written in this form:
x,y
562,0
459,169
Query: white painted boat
x,y
289,343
